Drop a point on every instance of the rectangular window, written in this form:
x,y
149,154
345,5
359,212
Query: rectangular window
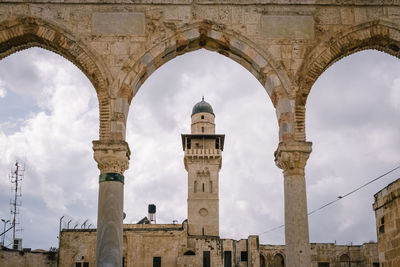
x,y
206,259
243,256
228,259
189,143
86,264
323,264
382,226
156,261
375,264
217,143
78,264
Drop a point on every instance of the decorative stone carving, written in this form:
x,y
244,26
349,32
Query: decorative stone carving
x,y
111,156
292,157
203,173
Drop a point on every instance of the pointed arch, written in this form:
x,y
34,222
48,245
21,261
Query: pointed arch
x,y
380,35
213,37
27,32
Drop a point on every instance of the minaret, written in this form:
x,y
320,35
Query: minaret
x,y
203,159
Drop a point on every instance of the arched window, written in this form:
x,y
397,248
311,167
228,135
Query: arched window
x,y
278,261
262,261
344,260
202,117
211,188
189,253
195,186
203,187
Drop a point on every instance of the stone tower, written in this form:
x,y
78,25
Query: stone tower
x,y
203,159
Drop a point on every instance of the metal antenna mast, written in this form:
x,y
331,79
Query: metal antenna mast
x,y
16,177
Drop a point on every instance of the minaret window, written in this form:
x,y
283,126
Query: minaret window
x,y
202,117
217,143
189,143
195,186
211,187
202,129
203,187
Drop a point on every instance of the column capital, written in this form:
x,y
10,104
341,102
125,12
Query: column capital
x,y
112,157
292,156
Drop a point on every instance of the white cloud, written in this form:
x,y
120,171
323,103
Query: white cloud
x,y
395,94
3,91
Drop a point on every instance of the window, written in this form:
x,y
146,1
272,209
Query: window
x,y
211,187
375,264
195,186
156,261
203,187
382,226
202,117
86,264
217,143
202,129
189,253
189,143
323,264
243,256
78,264
228,259
202,231
206,259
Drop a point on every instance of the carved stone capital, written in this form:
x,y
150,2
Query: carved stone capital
x,y
292,157
111,156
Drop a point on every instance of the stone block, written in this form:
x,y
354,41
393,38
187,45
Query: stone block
x,y
347,15
298,27
118,23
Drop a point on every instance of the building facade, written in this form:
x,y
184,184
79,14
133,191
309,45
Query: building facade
x,y
387,215
196,241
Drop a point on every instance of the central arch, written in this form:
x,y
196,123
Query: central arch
x,y
214,37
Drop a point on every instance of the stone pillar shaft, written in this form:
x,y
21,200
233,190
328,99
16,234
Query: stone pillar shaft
x,y
113,159
291,157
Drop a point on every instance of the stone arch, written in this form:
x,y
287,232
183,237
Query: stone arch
x,y
211,36
344,258
262,260
27,32
278,260
380,35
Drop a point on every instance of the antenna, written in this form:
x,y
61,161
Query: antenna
x,y
16,176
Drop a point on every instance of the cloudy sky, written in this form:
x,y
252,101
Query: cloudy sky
x,y
49,116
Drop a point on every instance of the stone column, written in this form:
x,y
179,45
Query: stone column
x,y
291,157
112,159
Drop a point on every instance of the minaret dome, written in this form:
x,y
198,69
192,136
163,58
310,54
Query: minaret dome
x,y
203,118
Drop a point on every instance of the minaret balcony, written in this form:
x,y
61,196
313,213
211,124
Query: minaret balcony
x,y
203,153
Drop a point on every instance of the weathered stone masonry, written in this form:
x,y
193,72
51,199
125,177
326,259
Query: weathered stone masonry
x,y
285,44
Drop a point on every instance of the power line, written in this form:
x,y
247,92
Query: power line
x,y
338,198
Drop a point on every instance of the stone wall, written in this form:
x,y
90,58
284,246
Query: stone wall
x,y
171,242
387,215
13,258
